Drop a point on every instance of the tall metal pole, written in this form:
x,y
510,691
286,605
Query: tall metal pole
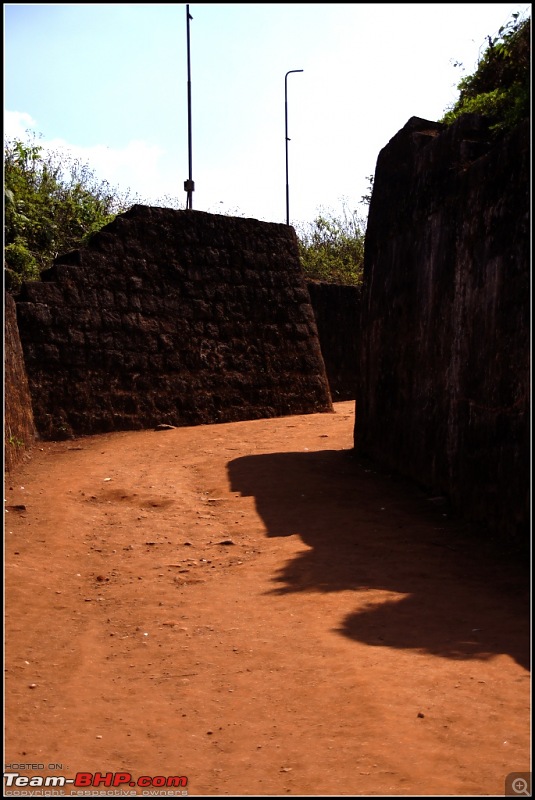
x,y
189,186
287,140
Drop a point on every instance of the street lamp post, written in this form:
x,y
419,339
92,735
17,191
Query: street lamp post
x,y
287,140
189,185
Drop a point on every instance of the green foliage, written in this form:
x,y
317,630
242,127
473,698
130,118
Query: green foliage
x,y
500,87
332,247
53,203
20,263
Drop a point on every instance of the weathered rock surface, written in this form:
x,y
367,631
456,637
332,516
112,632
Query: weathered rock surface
x,y
337,310
173,317
19,426
443,379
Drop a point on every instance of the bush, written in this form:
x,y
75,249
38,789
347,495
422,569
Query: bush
x,y
332,247
52,205
20,265
500,87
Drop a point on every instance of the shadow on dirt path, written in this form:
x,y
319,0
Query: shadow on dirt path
x,y
319,629
460,597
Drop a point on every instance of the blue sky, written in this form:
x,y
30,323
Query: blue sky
x,y
109,83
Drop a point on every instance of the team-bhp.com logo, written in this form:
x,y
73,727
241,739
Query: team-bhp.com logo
x,y
85,783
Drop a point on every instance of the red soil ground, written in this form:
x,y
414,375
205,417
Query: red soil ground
x,y
251,607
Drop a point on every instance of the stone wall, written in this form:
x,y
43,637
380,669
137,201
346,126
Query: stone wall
x,y
443,383
172,317
19,427
337,311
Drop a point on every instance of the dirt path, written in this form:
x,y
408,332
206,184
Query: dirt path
x,y
248,606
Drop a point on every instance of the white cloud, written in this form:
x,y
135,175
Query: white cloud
x,y
139,167
149,174
17,124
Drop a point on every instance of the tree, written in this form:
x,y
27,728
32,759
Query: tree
x,y
53,203
331,248
500,87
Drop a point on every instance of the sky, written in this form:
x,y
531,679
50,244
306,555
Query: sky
x,y
108,83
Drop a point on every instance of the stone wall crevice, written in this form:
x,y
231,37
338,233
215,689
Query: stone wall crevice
x,y
337,312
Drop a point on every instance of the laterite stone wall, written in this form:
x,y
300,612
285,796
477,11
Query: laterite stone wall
x,y
337,311
19,427
172,317
443,392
